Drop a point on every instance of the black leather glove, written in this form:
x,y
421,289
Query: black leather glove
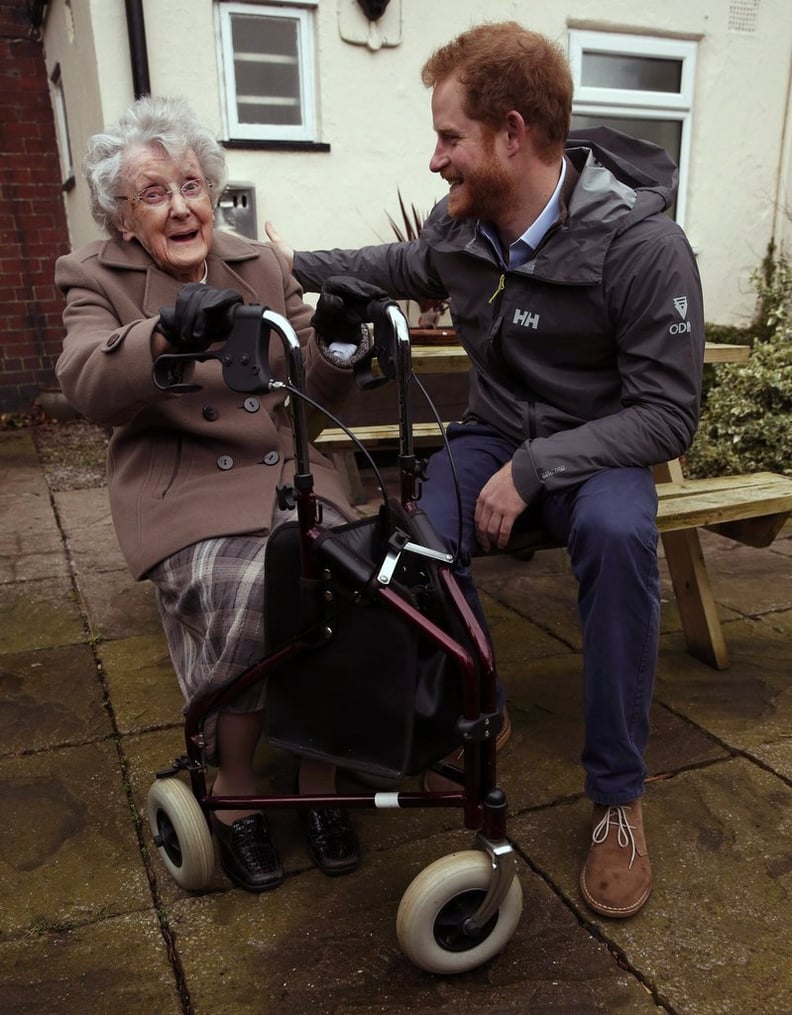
x,y
202,315
343,307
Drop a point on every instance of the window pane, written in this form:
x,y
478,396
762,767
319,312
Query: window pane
x,y
267,70
641,73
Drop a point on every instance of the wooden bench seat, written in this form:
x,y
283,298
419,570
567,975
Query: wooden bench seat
x,y
750,509
377,435
337,445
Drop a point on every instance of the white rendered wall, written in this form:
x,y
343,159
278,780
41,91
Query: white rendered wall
x,y
374,114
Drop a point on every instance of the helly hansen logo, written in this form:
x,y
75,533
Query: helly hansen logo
x,y
526,319
681,327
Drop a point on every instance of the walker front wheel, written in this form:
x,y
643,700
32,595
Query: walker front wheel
x,y
181,833
430,924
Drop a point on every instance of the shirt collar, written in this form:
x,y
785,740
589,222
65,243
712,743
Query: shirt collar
x,y
522,250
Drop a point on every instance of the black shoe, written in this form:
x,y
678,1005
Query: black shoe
x,y
247,853
331,840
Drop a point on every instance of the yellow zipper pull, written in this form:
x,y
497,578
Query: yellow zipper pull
x,y
501,284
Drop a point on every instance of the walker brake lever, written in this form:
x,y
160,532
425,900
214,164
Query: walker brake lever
x,y
243,357
385,334
167,370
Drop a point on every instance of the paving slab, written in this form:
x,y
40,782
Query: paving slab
x,y
68,847
20,468
749,581
116,606
31,546
116,965
329,946
541,764
714,937
92,922
50,698
39,614
141,682
87,525
747,704
547,598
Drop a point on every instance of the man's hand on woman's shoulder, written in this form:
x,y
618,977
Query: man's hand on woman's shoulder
x,y
280,245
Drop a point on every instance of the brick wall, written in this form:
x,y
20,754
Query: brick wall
x,y
33,229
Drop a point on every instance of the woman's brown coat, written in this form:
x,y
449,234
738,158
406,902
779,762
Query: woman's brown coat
x,y
185,467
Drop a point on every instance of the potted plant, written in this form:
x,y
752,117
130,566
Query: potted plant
x,y
428,330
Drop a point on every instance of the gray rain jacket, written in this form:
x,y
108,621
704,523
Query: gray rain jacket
x,y
590,355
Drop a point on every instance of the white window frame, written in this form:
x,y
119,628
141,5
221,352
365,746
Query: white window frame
x,y
627,102
301,11
62,127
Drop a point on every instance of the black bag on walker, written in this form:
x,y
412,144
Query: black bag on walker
x,y
368,691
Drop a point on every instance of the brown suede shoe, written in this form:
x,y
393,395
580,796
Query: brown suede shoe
x,y
435,783
616,880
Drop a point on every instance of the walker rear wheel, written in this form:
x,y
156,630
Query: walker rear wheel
x,y
430,924
181,833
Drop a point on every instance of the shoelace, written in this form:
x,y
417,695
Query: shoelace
x,y
624,830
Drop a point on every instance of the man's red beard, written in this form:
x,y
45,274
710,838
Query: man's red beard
x,y
484,193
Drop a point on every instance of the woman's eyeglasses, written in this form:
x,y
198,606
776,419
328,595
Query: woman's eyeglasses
x,y
157,194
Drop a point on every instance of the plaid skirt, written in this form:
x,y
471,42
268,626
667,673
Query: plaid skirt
x,y
211,602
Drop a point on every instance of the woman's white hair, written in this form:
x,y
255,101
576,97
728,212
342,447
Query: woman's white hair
x,y
167,122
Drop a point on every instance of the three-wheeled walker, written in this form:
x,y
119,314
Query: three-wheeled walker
x,y
374,662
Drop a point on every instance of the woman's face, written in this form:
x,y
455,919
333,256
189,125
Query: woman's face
x,y
177,233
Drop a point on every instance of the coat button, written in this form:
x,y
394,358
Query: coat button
x,y
271,458
209,413
251,404
225,462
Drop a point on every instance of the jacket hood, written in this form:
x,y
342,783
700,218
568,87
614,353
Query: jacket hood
x,y
640,165
617,182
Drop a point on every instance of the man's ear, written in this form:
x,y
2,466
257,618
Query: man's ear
x,y
515,131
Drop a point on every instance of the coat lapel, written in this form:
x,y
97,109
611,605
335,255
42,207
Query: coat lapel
x,y
161,289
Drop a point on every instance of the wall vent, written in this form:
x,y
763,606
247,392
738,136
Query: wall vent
x,y
743,16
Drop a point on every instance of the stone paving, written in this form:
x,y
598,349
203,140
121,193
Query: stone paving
x,y
90,922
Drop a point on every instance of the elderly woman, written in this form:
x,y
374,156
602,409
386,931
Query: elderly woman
x,y
192,477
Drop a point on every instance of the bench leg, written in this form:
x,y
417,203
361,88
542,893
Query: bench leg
x,y
697,608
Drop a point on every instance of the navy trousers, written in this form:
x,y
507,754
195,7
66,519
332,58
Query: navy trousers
x,y
608,525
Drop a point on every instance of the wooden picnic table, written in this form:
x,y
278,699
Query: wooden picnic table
x,y
751,508
451,358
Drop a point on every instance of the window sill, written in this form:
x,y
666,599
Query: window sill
x,y
278,146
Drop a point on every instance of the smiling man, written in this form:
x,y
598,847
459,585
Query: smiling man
x,y
565,279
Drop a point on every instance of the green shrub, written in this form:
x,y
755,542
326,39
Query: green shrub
x,y
746,420
773,284
746,424
730,334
